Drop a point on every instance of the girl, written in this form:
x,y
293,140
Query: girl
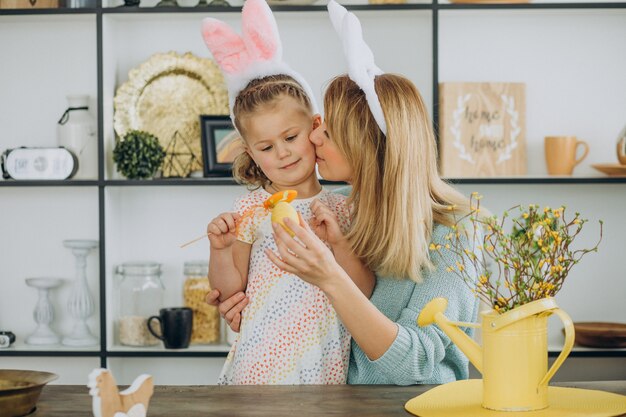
x,y
377,136
290,333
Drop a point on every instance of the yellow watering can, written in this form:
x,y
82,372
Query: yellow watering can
x,y
514,356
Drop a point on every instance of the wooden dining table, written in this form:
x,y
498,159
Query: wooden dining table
x,y
265,401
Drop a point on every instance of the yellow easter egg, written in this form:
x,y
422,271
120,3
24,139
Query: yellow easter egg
x,y
281,210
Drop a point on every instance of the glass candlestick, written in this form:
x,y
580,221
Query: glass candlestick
x,y
44,312
80,304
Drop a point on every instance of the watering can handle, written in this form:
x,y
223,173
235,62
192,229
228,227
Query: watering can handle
x,y
567,346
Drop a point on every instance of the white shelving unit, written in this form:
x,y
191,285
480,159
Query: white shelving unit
x,y
570,55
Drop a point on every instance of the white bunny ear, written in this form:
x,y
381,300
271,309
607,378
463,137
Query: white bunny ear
x,y
361,66
256,54
260,31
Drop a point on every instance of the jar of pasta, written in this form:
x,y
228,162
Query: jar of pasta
x,y
140,295
206,319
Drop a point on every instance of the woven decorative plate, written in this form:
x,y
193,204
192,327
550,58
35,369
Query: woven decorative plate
x,y
165,96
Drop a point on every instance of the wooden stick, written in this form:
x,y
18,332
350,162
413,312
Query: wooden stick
x,y
194,241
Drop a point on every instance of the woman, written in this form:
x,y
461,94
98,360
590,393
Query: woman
x,y
400,206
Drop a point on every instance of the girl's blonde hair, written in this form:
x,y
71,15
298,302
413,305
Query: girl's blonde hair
x,y
258,94
397,193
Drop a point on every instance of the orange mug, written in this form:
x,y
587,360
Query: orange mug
x,y
561,154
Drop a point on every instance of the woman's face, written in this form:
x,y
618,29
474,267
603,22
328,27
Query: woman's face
x,y
332,164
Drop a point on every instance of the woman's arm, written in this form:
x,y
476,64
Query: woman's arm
x,y
314,262
391,347
326,227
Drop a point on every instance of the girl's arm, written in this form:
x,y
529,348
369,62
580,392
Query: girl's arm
x,y
229,258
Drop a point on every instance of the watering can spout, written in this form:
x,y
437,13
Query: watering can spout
x,y
433,313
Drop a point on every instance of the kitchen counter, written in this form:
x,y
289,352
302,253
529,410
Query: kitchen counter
x,y
265,401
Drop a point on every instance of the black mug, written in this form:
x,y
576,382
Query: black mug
x,y
6,338
175,323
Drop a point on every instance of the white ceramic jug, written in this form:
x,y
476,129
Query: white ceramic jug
x,y
76,131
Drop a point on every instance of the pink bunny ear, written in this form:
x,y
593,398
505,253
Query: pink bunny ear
x,y
227,47
260,31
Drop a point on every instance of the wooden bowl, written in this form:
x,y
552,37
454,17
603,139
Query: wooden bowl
x,y
19,390
600,334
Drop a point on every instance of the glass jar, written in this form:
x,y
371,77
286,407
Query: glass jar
x,y
206,318
140,295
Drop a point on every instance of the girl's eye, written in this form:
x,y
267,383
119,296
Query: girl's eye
x,y
290,138
267,148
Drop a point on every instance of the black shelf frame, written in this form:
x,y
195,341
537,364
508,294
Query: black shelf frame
x,y
434,6
102,183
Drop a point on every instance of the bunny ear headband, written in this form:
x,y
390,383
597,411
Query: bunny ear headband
x,y
256,54
361,66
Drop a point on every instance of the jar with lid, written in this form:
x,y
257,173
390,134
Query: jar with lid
x,y
140,295
206,319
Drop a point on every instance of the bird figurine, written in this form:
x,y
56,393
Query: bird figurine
x,y
108,401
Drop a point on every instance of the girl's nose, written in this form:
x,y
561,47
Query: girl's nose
x,y
283,151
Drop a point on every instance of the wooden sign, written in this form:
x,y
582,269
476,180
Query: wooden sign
x,y
29,4
482,129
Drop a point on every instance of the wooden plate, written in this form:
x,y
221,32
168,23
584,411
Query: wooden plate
x,y
600,334
611,169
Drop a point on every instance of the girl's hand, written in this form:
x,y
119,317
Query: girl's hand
x,y
230,309
308,257
325,224
222,230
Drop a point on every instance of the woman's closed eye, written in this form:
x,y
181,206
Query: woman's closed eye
x,y
266,148
291,138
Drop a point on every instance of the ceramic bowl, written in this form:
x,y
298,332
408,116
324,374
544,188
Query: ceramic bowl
x,y
19,390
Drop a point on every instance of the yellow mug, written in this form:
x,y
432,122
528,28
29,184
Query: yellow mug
x,y
561,154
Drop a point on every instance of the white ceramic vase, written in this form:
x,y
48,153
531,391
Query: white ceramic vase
x,y
44,312
80,304
76,131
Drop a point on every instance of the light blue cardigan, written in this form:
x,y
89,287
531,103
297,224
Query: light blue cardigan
x,y
419,355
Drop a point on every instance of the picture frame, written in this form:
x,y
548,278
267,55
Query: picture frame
x,y
221,143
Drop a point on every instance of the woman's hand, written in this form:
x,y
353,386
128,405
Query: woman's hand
x,y
230,309
326,225
222,230
308,257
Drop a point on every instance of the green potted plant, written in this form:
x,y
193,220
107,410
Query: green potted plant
x,y
138,155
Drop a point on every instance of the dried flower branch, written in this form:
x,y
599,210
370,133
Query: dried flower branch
x,y
533,259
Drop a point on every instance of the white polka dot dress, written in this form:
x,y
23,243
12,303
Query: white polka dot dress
x,y
290,333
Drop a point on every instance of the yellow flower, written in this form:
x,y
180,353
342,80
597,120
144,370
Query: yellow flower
x,y
432,246
576,221
449,269
447,246
460,266
525,215
483,279
546,209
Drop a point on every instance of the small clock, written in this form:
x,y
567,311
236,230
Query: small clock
x,y
38,164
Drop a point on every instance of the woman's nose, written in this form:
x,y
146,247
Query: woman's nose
x,y
316,136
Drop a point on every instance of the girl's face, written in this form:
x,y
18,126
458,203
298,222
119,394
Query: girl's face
x,y
277,139
332,164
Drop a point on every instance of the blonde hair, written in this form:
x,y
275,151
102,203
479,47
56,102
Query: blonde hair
x,y
258,94
397,193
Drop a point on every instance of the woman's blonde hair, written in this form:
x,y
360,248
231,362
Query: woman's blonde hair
x,y
258,94
397,193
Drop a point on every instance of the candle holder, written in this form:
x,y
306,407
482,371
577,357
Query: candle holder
x,y
80,304
44,312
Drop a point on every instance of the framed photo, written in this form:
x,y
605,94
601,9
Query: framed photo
x,y
221,143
